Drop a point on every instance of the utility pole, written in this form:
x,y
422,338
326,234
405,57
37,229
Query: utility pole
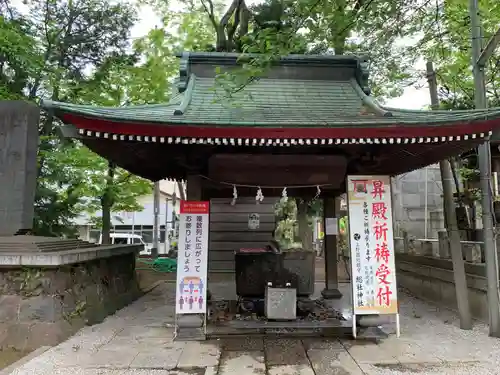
x,y
167,241
174,224
156,222
479,59
459,275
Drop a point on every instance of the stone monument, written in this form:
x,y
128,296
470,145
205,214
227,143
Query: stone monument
x,y
18,165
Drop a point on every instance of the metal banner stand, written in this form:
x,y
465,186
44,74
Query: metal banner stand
x,y
355,328
398,326
176,327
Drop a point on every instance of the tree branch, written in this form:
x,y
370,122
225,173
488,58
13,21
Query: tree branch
x,y
210,12
231,29
124,179
245,15
8,8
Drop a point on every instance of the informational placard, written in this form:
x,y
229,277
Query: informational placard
x,y
192,258
253,221
331,226
372,245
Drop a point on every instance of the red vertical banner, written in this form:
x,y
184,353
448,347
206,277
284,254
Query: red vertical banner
x,y
372,245
192,258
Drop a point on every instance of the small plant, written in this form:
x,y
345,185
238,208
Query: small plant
x,y
30,281
469,174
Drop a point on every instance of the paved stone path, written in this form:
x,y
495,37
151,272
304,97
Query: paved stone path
x,y
138,340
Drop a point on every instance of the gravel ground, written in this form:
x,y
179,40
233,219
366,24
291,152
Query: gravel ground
x,y
443,347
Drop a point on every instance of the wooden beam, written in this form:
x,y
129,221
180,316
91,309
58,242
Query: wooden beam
x,y
194,190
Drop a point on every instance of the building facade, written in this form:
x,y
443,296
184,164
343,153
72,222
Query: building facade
x,y
139,222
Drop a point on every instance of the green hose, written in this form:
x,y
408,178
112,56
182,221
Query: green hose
x,y
159,264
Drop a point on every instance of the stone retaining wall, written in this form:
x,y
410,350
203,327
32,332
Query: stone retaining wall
x,y
45,305
431,278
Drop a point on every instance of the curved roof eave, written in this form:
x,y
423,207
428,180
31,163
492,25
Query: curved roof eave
x,y
495,111
109,113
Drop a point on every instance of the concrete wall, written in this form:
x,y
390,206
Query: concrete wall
x,y
432,279
229,229
409,191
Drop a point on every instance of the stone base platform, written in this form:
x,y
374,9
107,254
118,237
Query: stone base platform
x,y
50,288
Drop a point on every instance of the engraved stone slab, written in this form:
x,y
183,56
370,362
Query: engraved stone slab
x,y
18,163
281,303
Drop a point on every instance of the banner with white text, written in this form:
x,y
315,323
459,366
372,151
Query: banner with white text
x,y
372,245
192,258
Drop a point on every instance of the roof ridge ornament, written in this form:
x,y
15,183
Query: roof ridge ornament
x,y
363,74
186,97
184,72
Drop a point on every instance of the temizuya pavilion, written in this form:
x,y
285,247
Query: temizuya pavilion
x,y
309,121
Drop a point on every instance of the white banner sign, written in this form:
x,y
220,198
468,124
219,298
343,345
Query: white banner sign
x,y
372,245
192,258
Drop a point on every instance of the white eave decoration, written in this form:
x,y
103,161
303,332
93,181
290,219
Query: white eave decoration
x,y
262,142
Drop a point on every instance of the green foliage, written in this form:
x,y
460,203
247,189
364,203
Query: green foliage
x,y
275,28
47,53
446,40
291,228
123,190
286,219
79,51
19,58
58,197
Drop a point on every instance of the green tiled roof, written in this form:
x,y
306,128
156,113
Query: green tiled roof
x,y
273,102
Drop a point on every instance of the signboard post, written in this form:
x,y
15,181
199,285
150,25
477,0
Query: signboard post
x,y
371,240
192,259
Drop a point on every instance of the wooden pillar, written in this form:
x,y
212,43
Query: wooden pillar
x,y
193,188
331,210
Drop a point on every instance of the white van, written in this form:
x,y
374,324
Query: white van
x,y
128,239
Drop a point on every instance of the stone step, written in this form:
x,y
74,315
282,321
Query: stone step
x,y
299,324
222,332
41,244
330,328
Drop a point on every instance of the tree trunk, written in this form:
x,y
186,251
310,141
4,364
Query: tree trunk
x,y
107,201
305,232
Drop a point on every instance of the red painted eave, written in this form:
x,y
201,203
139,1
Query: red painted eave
x,y
211,131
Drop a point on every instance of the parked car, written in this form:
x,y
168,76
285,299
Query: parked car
x,y
128,239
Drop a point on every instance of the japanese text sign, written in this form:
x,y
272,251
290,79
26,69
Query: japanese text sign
x,y
192,258
371,241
